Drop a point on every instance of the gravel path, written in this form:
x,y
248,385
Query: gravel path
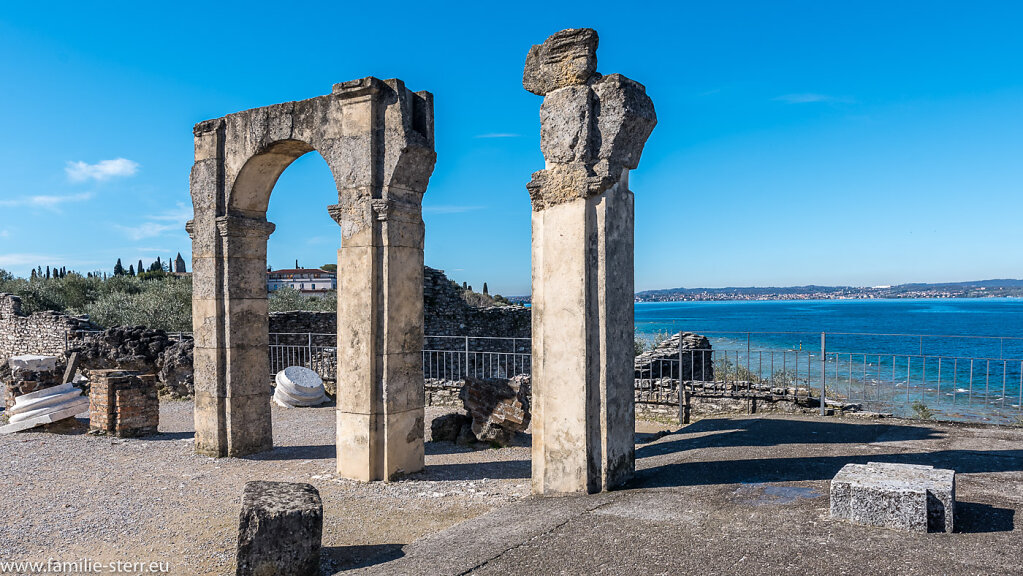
x,y
153,499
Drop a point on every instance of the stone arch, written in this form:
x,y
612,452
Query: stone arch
x,y
377,139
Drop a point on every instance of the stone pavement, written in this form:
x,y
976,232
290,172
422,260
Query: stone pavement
x,y
749,496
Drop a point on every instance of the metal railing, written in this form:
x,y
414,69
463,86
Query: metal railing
x,y
318,352
444,357
961,378
458,357
958,378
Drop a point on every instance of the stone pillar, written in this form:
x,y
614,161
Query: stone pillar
x,y
593,129
380,391
230,320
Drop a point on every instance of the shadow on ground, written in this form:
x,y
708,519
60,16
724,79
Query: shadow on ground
x,y
727,432
974,518
760,433
310,452
172,436
335,558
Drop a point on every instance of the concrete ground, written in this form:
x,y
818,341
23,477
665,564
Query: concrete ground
x,y
749,495
742,495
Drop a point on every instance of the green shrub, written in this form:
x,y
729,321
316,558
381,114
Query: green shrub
x,y
287,299
921,411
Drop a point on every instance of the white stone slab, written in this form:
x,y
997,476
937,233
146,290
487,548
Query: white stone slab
x,y
32,363
38,406
69,411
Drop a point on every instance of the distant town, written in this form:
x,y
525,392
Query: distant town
x,y
977,289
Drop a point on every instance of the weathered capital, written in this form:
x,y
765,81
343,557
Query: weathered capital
x,y
235,226
190,228
593,127
354,88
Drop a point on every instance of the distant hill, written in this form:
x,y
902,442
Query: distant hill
x,y
969,289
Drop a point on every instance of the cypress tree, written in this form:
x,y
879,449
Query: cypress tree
x,y
485,293
140,268
118,269
47,272
131,269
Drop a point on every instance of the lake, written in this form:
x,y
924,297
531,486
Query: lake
x,y
961,358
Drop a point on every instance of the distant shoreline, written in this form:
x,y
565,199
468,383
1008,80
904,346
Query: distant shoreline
x,y
789,298
525,300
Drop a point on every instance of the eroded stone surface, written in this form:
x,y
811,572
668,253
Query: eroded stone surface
x,y
280,530
32,363
376,137
299,386
499,407
446,428
566,58
593,130
591,133
902,496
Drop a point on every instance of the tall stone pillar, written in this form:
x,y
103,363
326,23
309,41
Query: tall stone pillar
x,y
381,394
593,129
229,311
381,398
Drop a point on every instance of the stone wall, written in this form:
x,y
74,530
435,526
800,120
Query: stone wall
x,y
445,314
139,349
41,333
658,399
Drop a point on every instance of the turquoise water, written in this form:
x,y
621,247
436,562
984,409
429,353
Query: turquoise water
x,y
961,358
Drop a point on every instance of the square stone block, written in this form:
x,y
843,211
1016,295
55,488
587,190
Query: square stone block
x,y
901,496
280,530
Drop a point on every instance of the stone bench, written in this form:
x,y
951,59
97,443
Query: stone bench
x,y
280,530
901,496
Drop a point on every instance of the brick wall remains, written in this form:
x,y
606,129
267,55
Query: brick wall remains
x,y
123,403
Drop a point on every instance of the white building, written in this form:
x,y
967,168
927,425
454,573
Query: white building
x,y
307,280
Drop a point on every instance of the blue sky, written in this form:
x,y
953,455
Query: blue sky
x,y
797,142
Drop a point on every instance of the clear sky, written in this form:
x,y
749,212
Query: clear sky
x,y
797,142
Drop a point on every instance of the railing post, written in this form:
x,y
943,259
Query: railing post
x,y
466,357
824,373
309,350
681,386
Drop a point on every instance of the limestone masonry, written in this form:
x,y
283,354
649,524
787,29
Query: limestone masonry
x,y
40,333
592,132
376,137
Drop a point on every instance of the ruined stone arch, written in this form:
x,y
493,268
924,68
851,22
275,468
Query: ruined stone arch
x,y
377,139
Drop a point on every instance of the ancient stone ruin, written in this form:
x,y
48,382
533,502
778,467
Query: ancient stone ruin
x,y
902,496
123,403
138,349
280,529
37,395
377,139
495,410
593,129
